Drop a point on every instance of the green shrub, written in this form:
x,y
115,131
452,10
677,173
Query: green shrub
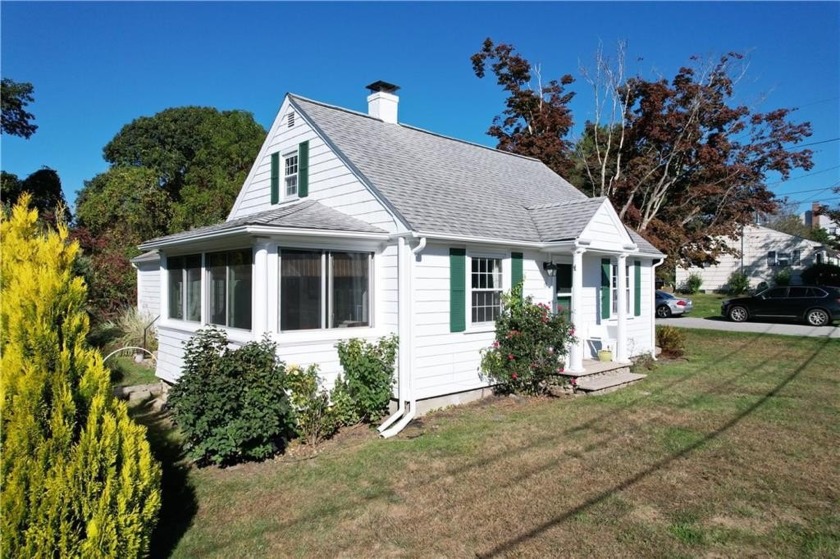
x,y
77,477
368,374
313,415
343,408
738,283
530,342
230,403
692,284
782,277
671,341
821,274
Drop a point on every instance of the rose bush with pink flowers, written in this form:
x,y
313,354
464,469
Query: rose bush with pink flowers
x,y
530,344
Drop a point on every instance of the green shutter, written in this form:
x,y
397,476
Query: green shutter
x,y
637,287
457,290
605,288
516,274
275,178
303,169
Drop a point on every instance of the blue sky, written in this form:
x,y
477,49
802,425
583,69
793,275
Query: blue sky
x,y
97,66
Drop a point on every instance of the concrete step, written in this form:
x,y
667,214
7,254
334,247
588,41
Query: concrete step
x,y
601,384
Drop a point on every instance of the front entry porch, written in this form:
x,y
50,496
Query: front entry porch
x,y
599,378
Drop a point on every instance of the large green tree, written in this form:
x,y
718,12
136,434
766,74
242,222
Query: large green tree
x,y
200,156
14,98
178,169
679,159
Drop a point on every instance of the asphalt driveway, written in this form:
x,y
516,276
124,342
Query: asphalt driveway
x,y
783,328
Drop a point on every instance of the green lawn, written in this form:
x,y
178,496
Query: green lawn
x,y
731,452
706,304
125,372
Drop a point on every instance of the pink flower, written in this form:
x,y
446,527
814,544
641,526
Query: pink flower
x,y
573,382
496,343
514,376
572,332
510,357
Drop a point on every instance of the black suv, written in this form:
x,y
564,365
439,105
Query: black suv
x,y
817,305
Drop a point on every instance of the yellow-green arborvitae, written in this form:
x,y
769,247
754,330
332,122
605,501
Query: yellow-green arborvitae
x,y
78,477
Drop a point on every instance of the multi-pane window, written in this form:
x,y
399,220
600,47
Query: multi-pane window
x,y
324,289
229,289
290,172
185,287
614,287
486,283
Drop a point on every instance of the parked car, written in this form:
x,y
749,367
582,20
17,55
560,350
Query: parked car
x,y
668,304
816,305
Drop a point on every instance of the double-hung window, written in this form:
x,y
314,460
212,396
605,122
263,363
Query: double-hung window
x,y
610,288
290,174
324,289
185,287
486,289
229,288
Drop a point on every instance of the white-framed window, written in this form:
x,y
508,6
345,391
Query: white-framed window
x,y
485,289
325,289
628,287
290,174
229,288
184,287
788,258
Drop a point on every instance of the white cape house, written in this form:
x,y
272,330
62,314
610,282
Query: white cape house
x,y
356,225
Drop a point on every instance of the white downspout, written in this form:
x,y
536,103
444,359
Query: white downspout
x,y
653,300
405,328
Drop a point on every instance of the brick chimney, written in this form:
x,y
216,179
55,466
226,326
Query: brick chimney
x,y
382,103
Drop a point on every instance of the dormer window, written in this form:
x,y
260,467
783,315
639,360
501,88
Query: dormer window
x,y
290,174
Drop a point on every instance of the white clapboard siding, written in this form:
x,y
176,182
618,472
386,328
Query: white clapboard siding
x,y
331,182
148,287
757,242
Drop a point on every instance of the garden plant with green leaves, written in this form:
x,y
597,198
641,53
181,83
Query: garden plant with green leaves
x,y
531,341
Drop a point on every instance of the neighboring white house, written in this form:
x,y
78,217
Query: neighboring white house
x,y
763,253
355,225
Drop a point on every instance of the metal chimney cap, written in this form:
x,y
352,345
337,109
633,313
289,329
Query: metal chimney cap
x,y
382,86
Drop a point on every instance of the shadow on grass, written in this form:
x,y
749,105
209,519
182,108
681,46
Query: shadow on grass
x,y
508,546
179,502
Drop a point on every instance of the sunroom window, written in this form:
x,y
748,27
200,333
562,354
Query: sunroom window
x,y
229,290
185,287
324,289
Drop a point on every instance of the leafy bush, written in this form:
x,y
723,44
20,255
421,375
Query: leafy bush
x,y
312,411
368,374
821,274
692,284
230,403
77,477
782,277
344,410
671,340
530,342
737,283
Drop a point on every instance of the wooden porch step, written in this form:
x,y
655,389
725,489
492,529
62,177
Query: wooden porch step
x,y
607,383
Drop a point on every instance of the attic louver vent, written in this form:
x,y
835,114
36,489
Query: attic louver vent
x,y
291,119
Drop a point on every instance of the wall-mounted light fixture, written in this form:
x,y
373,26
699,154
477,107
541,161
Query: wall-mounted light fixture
x,y
550,269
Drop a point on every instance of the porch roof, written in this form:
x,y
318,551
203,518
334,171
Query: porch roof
x,y
305,215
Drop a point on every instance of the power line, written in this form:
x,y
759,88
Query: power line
x,y
809,190
806,175
818,143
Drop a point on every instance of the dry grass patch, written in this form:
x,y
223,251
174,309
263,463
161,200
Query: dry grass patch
x,y
730,452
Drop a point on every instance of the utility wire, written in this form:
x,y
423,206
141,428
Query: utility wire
x,y
818,143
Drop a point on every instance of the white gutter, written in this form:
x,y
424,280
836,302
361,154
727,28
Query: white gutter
x,y
264,230
391,426
653,314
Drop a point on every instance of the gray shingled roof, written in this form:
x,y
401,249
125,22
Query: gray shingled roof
x,y
448,186
308,214
438,184
563,220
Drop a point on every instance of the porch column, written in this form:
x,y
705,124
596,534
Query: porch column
x,y
259,289
575,364
621,299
